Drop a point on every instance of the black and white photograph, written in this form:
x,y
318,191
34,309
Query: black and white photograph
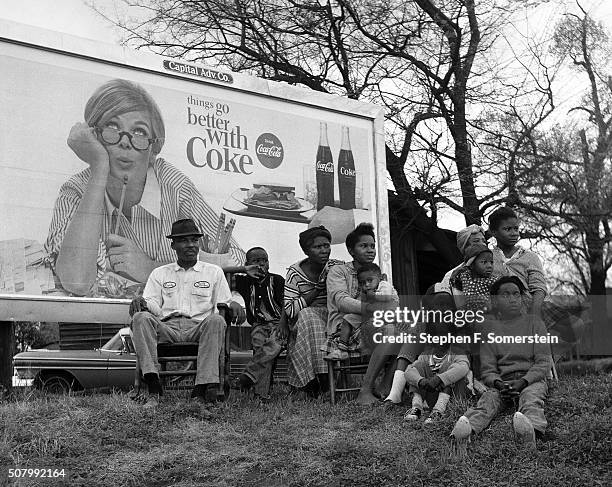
x,y
318,243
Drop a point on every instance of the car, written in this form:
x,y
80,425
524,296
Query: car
x,y
111,366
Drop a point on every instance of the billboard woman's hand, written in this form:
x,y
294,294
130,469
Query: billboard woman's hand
x,y
128,259
85,144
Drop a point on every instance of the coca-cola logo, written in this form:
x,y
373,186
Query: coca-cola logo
x,y
325,167
269,150
344,171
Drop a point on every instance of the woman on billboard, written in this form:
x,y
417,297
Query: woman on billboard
x,y
109,223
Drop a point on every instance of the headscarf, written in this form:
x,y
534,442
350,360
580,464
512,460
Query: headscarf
x,y
463,236
308,236
473,251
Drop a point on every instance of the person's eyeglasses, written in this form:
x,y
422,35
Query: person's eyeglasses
x,y
112,136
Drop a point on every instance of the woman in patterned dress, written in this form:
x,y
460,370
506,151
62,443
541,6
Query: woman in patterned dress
x,y
306,311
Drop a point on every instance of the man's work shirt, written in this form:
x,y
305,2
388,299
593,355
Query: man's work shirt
x,y
193,293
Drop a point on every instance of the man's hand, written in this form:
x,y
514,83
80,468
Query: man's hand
x,y
138,304
238,314
127,259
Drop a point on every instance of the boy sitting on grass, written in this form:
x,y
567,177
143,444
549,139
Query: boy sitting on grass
x,y
513,370
374,289
439,369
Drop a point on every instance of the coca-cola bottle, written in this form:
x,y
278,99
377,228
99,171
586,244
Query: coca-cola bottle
x,y
325,171
346,172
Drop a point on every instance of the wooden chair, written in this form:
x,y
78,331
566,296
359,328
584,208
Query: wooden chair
x,y
339,371
187,352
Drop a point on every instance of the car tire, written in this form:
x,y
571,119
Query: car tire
x,y
57,384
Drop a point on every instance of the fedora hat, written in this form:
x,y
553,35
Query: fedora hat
x,y
184,228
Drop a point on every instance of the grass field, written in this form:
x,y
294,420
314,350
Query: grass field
x,y
107,440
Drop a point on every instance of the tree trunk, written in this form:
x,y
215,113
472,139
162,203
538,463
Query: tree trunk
x,y
596,263
406,210
463,159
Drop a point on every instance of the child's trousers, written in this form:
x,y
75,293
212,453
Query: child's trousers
x,y
265,350
420,369
530,403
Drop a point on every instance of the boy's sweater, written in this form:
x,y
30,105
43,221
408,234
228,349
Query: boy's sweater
x,y
498,360
459,366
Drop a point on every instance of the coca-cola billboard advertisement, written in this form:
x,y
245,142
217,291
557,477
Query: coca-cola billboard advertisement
x,y
97,159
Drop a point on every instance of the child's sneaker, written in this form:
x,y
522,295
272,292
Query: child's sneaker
x,y
434,417
524,430
413,414
462,430
337,354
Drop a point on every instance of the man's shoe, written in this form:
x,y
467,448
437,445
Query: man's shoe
x,y
212,393
462,430
524,430
153,383
199,390
413,414
151,402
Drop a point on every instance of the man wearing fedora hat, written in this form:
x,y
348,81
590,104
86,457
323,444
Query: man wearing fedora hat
x,y
179,304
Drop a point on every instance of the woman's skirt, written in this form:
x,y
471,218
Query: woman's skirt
x,y
305,357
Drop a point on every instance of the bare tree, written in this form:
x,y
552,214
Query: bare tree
x,y
560,176
422,60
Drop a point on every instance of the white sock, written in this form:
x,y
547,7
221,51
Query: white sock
x,y
442,402
417,401
399,383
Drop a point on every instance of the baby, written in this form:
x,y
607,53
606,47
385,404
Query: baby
x,y
373,290
372,285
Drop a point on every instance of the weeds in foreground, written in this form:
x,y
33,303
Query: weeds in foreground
x,y
107,439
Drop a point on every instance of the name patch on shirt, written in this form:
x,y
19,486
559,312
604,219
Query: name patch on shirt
x,y
169,284
201,284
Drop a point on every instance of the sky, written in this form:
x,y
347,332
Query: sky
x,y
70,16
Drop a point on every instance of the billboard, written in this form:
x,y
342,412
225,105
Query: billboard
x,y
102,149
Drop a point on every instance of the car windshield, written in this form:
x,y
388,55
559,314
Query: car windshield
x,y
114,343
